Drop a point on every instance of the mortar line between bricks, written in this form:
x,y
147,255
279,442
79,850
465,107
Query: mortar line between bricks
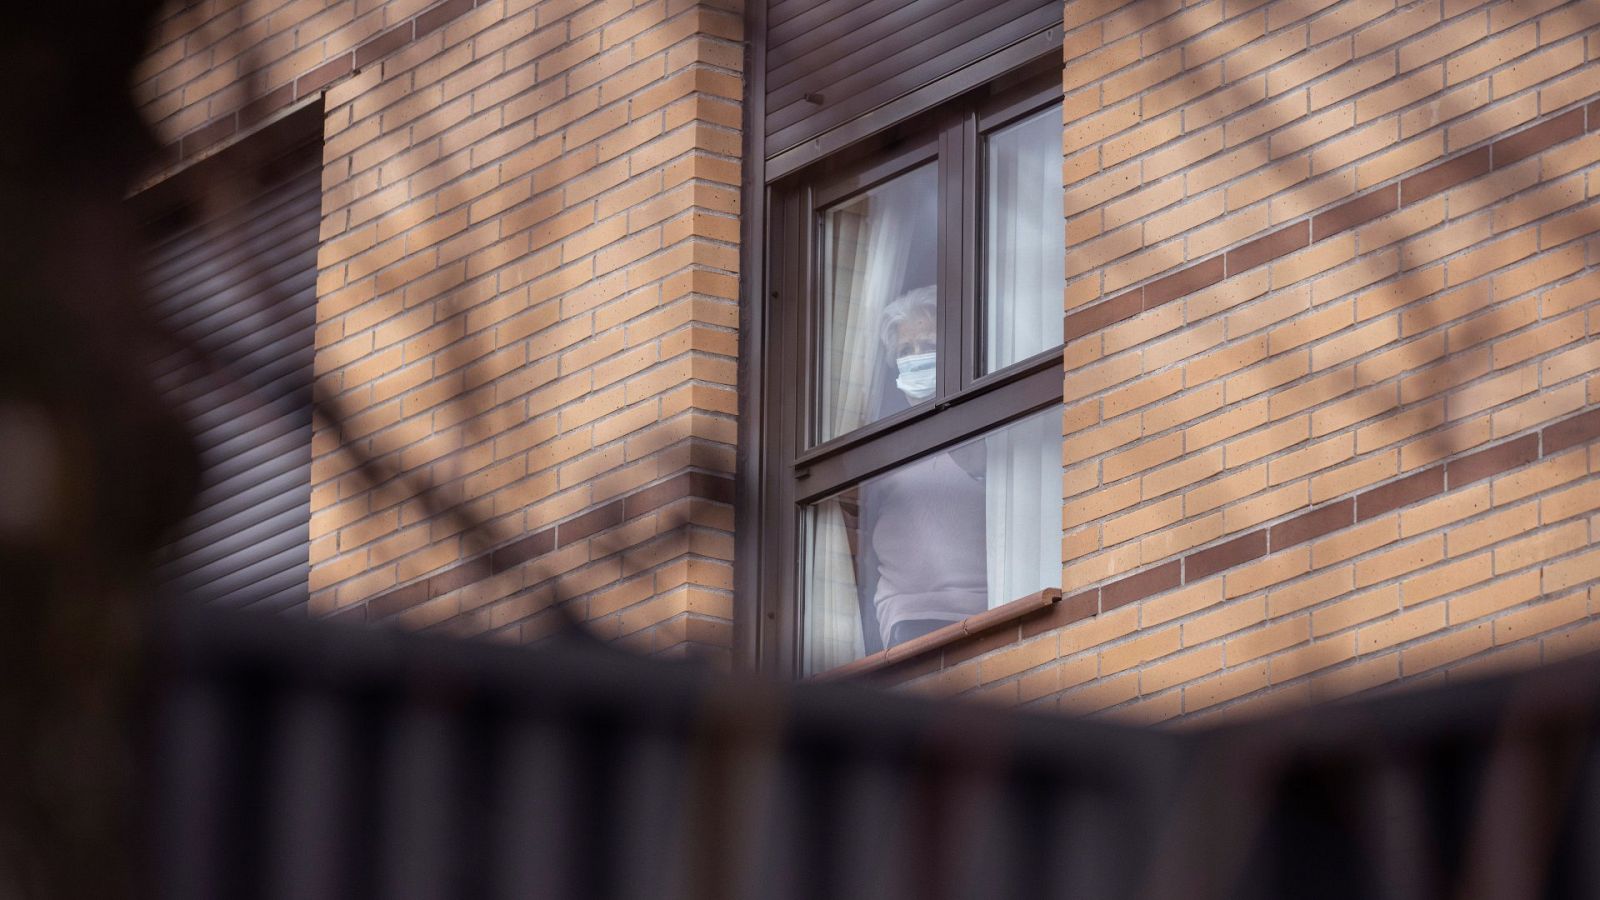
x,y
1403,191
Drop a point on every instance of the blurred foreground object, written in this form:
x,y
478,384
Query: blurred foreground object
x,y
312,761
92,466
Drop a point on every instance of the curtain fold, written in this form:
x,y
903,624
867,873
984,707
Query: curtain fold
x,y
1025,240
870,249
833,633
1022,507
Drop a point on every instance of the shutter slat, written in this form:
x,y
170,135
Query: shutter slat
x,y
240,288
853,57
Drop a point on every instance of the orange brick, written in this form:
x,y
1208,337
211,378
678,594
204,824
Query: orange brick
x,y
1398,293
1399,561
1355,610
1581,360
1350,80
1439,444
1571,571
1143,520
1012,660
1346,480
1310,591
1320,455
1224,361
1186,471
1492,392
1448,509
1546,406
1313,392
1270,440
1541,476
1178,603
1225,620
1559,332
1540,546
1406,626
1445,649
1270,639
1228,489
1101,693
1571,642
1350,542
1321,654
1546,616
1361,676
1227,424
1267,505
1150,710
1141,393
1490,529
1143,456
1276,568
1577,500
1181,668
1194,404
1186,536
1091,633
1227,686
1141,649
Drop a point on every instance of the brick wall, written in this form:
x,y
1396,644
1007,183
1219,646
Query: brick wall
x,y
526,301
1330,371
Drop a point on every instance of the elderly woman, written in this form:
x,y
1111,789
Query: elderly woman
x,y
925,520
909,333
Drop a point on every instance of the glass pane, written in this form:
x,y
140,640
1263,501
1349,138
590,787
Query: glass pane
x,y
879,323
1024,240
933,541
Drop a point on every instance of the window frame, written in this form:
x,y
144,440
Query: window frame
x,y
795,469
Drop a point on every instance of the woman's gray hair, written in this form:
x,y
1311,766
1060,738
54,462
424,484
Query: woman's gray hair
x,y
903,307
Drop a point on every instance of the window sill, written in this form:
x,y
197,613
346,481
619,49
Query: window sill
x,y
956,632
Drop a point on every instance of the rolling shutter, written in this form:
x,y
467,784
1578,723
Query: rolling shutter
x,y
830,61
239,286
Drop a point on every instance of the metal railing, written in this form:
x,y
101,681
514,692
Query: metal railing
x,y
292,760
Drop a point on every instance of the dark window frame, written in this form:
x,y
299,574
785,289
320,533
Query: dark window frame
x,y
795,470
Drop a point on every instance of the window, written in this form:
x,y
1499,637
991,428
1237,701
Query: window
x,y
231,277
914,330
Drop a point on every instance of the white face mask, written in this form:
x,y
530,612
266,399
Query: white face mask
x,y
917,373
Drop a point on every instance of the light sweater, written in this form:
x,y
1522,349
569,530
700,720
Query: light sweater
x,y
929,540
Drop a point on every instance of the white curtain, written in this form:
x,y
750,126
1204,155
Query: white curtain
x,y
1022,507
833,634
1025,239
870,251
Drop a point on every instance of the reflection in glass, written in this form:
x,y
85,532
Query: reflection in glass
x,y
933,541
1024,240
879,320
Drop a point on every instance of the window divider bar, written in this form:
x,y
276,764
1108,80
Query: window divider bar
x,y
968,251
949,244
